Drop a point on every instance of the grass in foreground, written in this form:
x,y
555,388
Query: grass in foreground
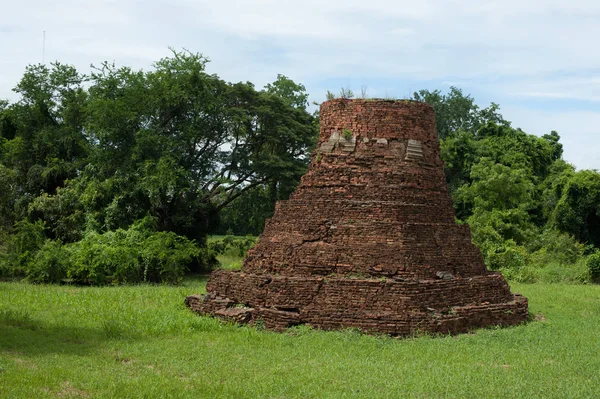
x,y
141,342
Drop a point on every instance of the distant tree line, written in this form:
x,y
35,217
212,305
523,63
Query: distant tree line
x,y
118,175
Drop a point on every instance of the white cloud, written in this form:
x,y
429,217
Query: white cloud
x,y
507,51
570,87
579,131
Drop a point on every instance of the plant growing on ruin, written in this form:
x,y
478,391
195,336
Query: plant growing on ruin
x,y
319,157
363,91
346,93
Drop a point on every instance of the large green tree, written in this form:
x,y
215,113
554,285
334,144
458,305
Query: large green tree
x,y
455,111
179,144
521,199
92,154
248,212
42,137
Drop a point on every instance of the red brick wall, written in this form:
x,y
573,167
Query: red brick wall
x,y
368,239
366,209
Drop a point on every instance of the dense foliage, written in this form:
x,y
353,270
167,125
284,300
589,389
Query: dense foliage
x,y
83,158
121,256
531,213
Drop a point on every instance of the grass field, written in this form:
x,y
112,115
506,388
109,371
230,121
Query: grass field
x,y
141,342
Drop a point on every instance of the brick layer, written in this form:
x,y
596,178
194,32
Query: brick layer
x,y
368,239
392,306
363,208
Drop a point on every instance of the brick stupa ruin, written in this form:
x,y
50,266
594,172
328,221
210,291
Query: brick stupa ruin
x,y
368,240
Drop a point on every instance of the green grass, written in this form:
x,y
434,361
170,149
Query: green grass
x,y
230,259
550,272
141,342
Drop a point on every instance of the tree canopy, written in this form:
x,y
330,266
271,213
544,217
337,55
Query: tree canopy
x,y
524,203
95,153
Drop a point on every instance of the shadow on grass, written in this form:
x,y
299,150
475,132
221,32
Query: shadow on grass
x,y
29,333
20,332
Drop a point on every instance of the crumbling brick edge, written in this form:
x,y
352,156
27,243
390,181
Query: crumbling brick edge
x,y
395,307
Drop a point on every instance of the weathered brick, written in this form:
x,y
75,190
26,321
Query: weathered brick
x,y
368,239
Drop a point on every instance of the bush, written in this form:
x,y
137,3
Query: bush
x,y
135,255
204,262
23,247
239,245
165,256
112,257
549,257
553,246
50,263
4,260
131,256
555,272
504,255
507,256
593,266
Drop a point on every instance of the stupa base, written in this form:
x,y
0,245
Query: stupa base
x,y
392,306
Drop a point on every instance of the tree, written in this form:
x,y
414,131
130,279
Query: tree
x,y
459,152
293,93
42,142
247,213
501,198
86,156
578,208
557,148
455,112
178,144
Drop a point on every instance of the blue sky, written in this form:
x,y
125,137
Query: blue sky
x,y
538,59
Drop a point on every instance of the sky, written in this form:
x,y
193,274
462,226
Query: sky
x,y
537,59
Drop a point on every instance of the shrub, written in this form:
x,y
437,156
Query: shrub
x,y
555,272
205,261
166,256
240,245
553,246
243,244
112,257
131,256
347,134
504,255
135,255
23,246
508,256
50,263
593,266
4,260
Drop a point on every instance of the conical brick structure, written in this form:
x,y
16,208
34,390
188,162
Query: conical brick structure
x,y
368,240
